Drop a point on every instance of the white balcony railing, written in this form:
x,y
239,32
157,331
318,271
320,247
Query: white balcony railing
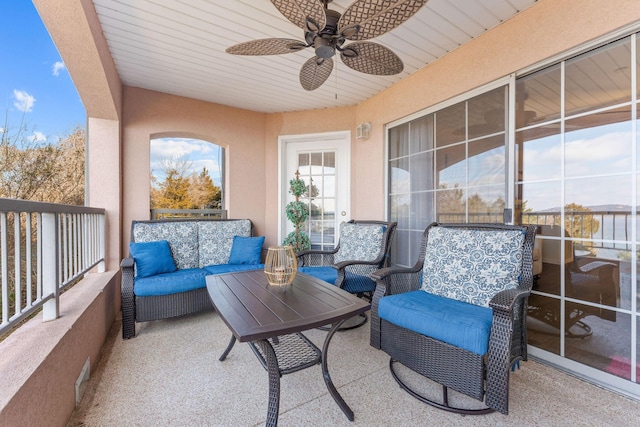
x,y
44,248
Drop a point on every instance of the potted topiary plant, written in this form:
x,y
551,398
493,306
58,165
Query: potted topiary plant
x,y
297,212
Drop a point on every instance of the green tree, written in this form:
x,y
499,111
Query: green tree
x,y
204,193
35,169
181,190
578,222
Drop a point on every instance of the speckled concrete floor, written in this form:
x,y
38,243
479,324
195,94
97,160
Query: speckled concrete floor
x,y
169,375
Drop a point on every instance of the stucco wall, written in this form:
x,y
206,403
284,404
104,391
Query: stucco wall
x,y
545,30
148,114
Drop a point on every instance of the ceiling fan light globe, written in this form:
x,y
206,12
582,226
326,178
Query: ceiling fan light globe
x,y
349,52
350,31
325,52
312,25
323,48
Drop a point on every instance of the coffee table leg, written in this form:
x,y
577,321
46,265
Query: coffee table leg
x,y
274,382
228,349
327,379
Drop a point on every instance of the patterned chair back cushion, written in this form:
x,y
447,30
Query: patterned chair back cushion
x,y
472,265
182,238
216,239
362,242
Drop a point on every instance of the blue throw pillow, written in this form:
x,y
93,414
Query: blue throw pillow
x,y
246,250
152,258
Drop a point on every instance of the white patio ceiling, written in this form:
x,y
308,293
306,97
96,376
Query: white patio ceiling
x,y
178,47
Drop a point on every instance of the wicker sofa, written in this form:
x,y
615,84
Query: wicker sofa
x,y
458,316
164,274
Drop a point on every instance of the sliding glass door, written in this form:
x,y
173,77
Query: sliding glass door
x,y
448,166
568,162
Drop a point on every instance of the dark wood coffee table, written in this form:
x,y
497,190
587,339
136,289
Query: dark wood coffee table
x,y
270,319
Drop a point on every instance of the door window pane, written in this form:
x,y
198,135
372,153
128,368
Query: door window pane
x,y
399,141
598,143
451,205
487,113
487,160
538,153
422,133
598,78
421,166
451,125
451,166
538,97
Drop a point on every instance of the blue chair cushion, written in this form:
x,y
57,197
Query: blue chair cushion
x,y
170,283
326,273
355,283
230,268
246,250
152,258
458,323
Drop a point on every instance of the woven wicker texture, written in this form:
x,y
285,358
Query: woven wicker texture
x,y
481,377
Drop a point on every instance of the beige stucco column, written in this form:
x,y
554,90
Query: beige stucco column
x,y
104,184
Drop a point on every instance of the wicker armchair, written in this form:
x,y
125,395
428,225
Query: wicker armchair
x,y
481,372
363,248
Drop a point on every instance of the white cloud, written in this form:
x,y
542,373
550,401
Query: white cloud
x,y
59,65
198,153
181,148
23,101
37,136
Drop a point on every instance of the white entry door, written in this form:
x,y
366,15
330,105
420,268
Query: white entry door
x,y
323,162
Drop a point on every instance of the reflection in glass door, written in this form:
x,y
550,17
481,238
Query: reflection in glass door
x,y
448,166
577,177
318,170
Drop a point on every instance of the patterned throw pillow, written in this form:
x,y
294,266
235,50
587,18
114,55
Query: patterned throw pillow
x,y
181,235
216,239
359,242
472,265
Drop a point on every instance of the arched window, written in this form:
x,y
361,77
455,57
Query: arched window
x,y
186,174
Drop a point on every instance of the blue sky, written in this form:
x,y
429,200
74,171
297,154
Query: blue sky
x,y
34,84
36,90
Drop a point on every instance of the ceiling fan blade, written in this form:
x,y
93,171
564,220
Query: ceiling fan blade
x,y
315,72
376,17
297,11
266,47
371,58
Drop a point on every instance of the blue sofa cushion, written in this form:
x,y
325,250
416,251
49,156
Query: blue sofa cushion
x,y
472,265
230,268
246,250
458,323
355,282
152,258
170,283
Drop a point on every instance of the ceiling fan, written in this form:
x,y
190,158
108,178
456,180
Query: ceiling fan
x,y
327,32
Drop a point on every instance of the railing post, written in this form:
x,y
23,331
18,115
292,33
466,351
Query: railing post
x,y
102,237
50,309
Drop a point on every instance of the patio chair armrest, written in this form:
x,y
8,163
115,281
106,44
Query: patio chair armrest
x,y
389,281
343,264
315,257
128,298
127,263
505,300
505,346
